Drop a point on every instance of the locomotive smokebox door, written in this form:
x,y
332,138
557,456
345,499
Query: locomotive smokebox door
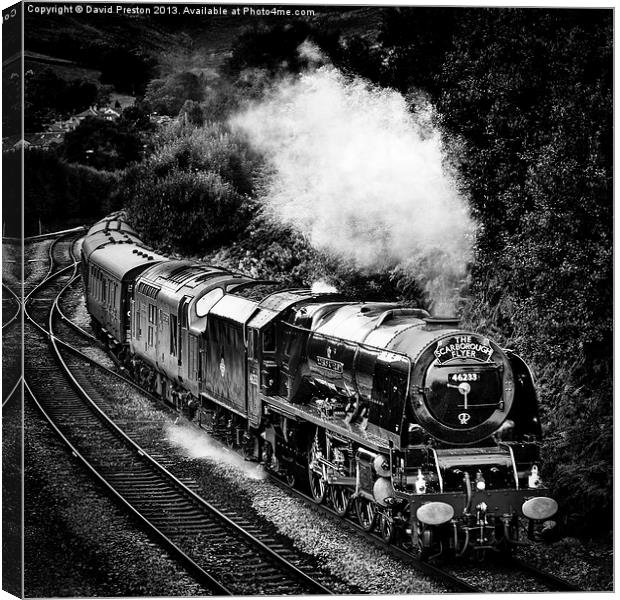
x,y
269,378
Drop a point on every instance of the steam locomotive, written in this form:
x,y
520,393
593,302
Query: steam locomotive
x,y
428,433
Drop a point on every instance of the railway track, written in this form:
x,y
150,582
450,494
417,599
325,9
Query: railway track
x,y
12,498
455,579
43,259
11,318
227,559
510,575
55,234
11,307
11,341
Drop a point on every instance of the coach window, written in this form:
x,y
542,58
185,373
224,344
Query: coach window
x,y
173,334
138,319
287,340
184,312
104,290
251,342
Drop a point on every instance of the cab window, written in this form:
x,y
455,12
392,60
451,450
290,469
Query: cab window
x,y
269,338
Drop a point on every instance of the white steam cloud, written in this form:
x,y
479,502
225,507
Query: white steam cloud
x,y
322,287
195,444
361,175
311,53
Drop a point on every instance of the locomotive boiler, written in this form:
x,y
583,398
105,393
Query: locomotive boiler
x,y
426,432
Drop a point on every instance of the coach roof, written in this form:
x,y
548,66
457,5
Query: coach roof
x,y
121,259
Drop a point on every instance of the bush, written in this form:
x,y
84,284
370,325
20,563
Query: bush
x,y
208,148
204,177
186,211
102,144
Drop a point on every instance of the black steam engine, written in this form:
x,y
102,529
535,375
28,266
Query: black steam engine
x,y
427,432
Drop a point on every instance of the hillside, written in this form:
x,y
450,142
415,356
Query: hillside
x,y
169,40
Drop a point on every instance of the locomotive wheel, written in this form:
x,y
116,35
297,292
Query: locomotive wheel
x,y
341,498
366,512
386,528
318,488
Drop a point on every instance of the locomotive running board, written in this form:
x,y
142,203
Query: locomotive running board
x,y
337,425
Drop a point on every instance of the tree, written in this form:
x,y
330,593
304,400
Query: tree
x,y
276,48
127,69
195,191
102,144
167,96
48,96
192,113
58,193
530,92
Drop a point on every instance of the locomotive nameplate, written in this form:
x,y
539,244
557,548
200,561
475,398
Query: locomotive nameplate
x,y
461,347
329,364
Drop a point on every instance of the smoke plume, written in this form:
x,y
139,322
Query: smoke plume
x,y
361,175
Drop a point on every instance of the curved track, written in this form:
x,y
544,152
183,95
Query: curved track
x,y
226,558
11,306
11,317
11,341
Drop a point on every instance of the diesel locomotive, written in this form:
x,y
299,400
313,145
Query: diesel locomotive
x,y
427,433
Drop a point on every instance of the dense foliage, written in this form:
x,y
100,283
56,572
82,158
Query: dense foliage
x,y
102,144
57,192
48,97
167,96
529,94
194,192
276,47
